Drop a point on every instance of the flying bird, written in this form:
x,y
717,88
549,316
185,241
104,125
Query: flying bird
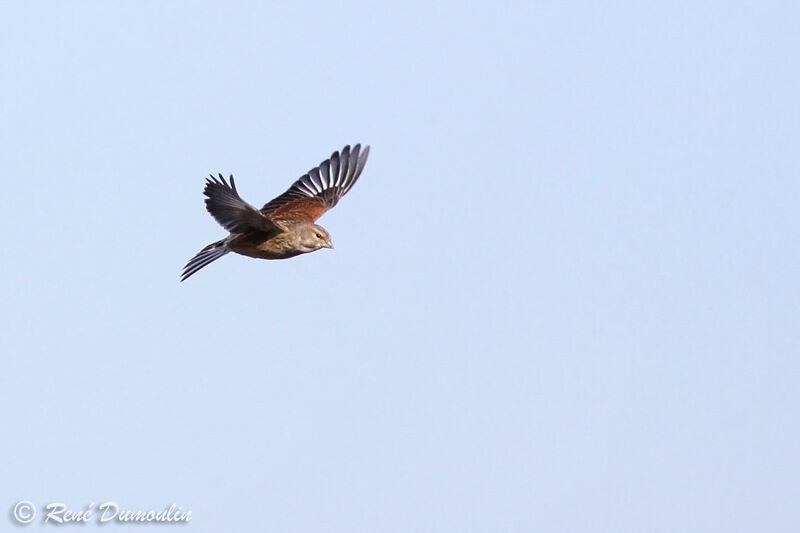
x,y
284,227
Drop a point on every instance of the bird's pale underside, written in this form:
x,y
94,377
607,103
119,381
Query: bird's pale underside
x,y
284,227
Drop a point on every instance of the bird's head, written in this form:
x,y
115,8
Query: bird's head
x,y
313,237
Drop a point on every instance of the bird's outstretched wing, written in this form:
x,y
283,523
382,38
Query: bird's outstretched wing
x,y
233,213
320,189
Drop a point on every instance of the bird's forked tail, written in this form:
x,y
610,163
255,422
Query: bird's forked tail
x,y
207,255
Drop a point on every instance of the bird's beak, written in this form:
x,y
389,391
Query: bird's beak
x,y
329,245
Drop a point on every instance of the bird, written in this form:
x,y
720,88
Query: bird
x,y
285,226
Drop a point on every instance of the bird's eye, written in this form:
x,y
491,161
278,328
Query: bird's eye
x,y
319,235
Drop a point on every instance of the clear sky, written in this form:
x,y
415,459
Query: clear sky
x,y
564,294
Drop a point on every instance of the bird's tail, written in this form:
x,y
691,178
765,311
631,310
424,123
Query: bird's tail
x,y
210,253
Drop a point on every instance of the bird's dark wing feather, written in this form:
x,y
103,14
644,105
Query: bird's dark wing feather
x,y
228,208
320,189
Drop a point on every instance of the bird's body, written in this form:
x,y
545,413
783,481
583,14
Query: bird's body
x,y
264,245
284,227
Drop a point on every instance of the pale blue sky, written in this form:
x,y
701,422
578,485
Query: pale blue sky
x,y
564,294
